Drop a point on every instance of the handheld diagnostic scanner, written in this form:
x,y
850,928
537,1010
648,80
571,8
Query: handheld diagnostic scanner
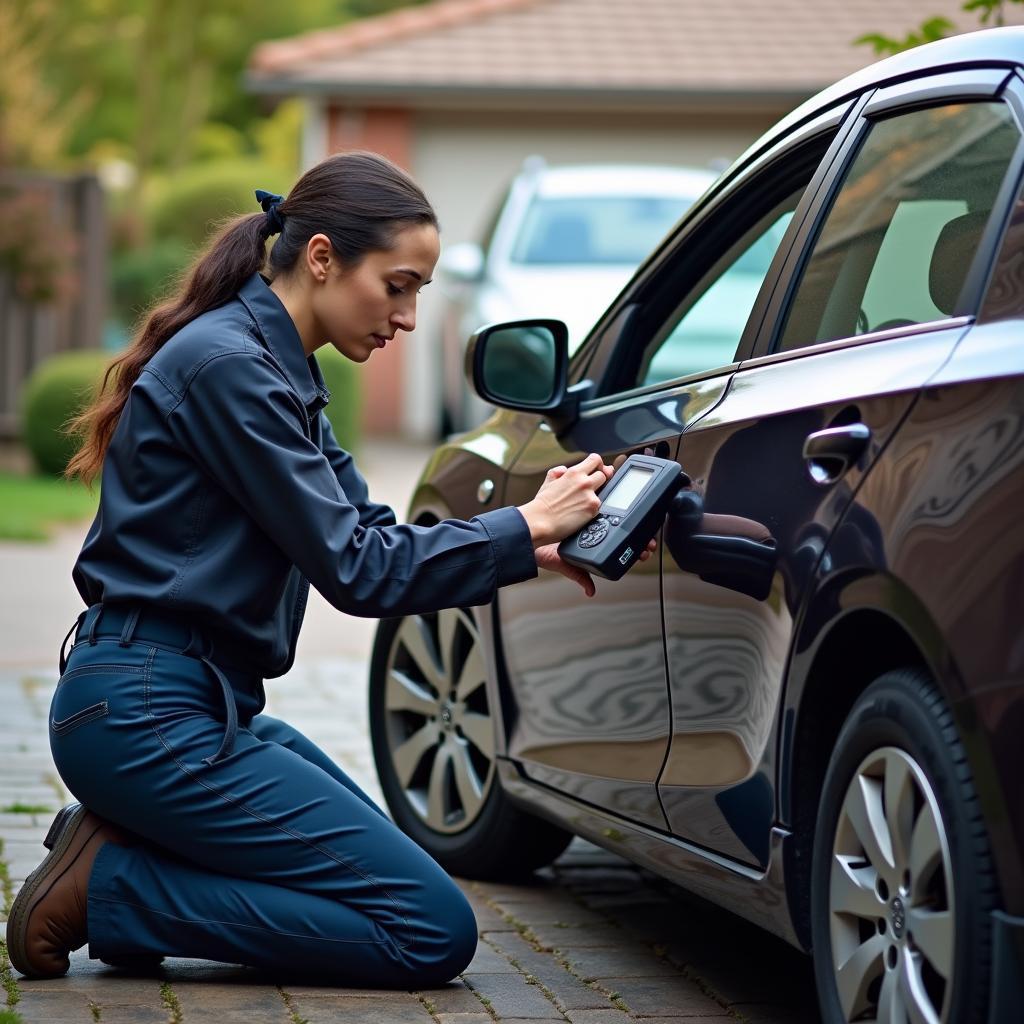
x,y
633,504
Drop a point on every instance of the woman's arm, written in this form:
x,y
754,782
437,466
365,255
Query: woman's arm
x,y
371,513
242,423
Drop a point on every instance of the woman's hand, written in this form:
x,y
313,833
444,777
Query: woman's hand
x,y
566,500
547,553
548,558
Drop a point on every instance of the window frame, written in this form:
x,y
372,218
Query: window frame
x,y
927,90
600,360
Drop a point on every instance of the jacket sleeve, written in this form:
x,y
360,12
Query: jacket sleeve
x,y
240,421
371,513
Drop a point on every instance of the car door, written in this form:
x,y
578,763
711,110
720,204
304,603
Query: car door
x,y
587,689
876,293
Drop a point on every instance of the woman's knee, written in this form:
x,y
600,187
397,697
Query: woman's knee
x,y
446,941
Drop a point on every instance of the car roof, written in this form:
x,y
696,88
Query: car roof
x,y
621,180
987,47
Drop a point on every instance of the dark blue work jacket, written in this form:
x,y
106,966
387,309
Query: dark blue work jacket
x,y
225,494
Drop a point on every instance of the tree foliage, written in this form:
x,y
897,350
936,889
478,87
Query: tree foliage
x,y
155,82
991,13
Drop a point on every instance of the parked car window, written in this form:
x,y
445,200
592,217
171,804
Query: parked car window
x,y
594,229
900,236
706,327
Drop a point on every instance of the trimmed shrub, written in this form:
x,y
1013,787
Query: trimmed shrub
x,y
140,277
189,206
344,410
56,392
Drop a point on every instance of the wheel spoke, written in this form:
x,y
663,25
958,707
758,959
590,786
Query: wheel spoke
x,y
405,694
855,976
414,636
437,787
407,756
916,1003
479,730
890,1001
863,806
933,934
466,782
447,623
853,890
899,807
925,851
473,674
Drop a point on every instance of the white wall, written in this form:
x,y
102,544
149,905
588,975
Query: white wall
x,y
464,160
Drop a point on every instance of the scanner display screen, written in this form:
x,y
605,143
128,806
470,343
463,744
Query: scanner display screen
x,y
627,488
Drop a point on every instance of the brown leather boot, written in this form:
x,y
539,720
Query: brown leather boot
x,y
48,916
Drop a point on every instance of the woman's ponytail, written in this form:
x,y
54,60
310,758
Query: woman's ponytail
x,y
236,253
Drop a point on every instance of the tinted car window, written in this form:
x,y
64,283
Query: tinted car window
x,y
900,236
595,229
706,327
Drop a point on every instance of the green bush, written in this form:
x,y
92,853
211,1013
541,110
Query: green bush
x,y
56,392
139,277
341,376
188,207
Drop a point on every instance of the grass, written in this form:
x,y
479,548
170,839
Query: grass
x,y
6,886
20,808
293,1014
171,1004
7,979
31,505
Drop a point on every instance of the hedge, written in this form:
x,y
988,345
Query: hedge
x,y
188,207
140,277
55,393
341,376
61,387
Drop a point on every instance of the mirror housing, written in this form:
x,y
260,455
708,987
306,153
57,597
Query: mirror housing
x,y
463,263
523,365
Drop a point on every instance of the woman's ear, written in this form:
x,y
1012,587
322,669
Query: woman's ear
x,y
319,257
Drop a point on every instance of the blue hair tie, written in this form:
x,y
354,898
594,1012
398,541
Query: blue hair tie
x,y
270,202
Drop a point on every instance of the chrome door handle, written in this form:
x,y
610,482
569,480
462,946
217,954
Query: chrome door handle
x,y
832,452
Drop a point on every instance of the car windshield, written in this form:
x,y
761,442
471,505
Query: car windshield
x,y
595,229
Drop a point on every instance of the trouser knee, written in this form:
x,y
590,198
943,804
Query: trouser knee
x,y
445,944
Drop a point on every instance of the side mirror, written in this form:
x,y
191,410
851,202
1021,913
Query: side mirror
x,y
523,365
463,263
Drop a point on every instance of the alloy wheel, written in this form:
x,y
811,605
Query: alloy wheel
x,y
438,726
891,909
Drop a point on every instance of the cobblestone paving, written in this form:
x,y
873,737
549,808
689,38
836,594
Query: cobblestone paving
x,y
592,940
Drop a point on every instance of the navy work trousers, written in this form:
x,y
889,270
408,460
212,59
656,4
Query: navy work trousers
x,y
252,848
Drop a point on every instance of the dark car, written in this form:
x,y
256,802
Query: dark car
x,y
819,723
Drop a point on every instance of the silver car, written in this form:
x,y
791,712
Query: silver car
x,y
562,240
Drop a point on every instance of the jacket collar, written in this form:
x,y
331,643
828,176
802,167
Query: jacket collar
x,y
278,333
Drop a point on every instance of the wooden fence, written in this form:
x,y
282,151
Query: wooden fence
x,y
29,332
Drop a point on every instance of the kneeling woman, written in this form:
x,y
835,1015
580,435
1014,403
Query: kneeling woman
x,y
205,828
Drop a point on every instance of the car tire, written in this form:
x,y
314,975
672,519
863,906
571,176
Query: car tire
x,y
902,883
433,744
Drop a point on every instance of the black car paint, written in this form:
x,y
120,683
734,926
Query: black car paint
x,y
841,569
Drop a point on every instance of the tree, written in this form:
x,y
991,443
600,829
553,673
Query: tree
x,y
28,99
990,12
139,79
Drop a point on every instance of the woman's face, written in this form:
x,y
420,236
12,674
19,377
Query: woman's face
x,y
359,310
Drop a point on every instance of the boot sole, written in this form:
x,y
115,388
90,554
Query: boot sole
x,y
57,841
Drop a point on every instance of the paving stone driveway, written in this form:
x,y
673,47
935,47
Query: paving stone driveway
x,y
592,940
